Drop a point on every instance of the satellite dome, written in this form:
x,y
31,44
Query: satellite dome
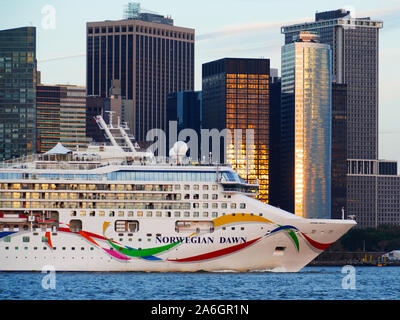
x,y
178,151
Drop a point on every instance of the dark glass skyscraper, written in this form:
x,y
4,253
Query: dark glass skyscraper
x,y
236,96
186,109
150,56
17,92
339,148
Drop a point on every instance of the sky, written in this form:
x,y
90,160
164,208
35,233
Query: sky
x,y
224,28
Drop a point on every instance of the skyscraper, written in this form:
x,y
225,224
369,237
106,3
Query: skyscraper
x,y
306,127
186,109
60,116
339,149
236,97
149,55
355,62
17,92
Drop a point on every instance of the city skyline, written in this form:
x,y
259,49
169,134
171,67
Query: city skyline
x,y
254,32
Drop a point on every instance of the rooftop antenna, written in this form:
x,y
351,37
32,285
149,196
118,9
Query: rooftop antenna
x,y
132,10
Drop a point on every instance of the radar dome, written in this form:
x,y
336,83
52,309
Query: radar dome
x,y
178,151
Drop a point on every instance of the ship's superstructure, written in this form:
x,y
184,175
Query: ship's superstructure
x,y
114,208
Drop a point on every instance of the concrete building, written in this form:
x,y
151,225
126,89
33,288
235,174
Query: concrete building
x,y
60,116
149,56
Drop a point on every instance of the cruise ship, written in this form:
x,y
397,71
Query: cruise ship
x,y
113,207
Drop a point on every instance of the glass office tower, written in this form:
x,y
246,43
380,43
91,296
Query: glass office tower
x,y
355,62
306,127
236,97
17,92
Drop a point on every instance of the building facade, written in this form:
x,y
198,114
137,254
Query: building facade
x,y
60,116
306,127
355,62
275,142
149,56
339,149
236,97
186,109
17,92
373,192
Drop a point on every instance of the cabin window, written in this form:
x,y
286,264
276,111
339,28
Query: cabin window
x,y
126,226
242,206
194,226
25,239
75,225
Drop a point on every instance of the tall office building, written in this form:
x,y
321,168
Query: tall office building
x,y
339,149
149,56
60,116
186,109
355,44
236,96
17,92
355,57
306,127
275,142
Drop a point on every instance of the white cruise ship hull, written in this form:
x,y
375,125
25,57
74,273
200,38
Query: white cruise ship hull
x,y
239,242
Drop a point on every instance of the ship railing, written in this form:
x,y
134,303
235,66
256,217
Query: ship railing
x,y
23,161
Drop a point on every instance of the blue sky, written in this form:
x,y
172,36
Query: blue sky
x,y
224,28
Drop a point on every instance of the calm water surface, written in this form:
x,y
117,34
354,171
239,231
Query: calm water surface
x,y
311,283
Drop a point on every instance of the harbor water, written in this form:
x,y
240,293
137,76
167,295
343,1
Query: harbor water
x,y
311,283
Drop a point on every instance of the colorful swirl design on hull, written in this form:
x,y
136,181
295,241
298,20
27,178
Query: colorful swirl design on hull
x,y
125,253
